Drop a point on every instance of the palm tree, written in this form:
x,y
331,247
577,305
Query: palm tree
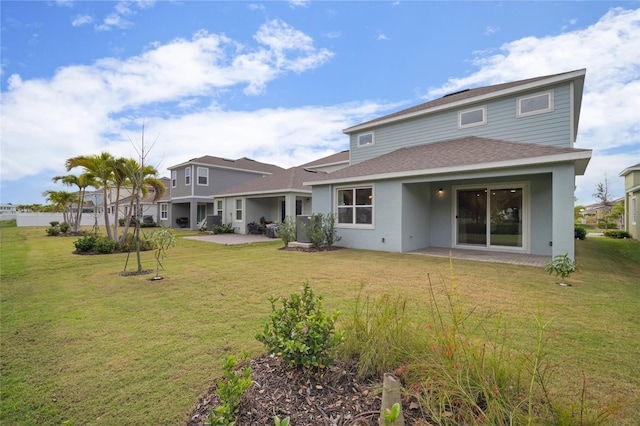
x,y
141,178
82,181
101,168
61,201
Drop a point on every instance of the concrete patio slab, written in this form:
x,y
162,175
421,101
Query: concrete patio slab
x,y
231,239
486,256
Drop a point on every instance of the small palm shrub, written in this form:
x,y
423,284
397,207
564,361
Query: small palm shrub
x,y
300,331
53,231
562,266
223,229
321,230
104,245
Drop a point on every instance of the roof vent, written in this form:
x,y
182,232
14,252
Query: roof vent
x,y
455,93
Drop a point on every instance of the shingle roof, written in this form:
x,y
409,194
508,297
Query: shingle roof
x,y
283,181
630,169
450,154
243,163
462,95
339,157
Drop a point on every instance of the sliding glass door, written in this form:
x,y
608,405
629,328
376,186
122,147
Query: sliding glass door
x,y
491,216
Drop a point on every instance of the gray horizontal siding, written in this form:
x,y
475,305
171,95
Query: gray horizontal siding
x,y
552,128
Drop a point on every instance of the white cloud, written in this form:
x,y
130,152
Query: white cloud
x,y
81,20
298,3
382,36
609,51
85,109
491,30
123,10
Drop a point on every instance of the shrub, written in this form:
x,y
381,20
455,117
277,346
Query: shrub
x,y
103,245
129,243
287,230
54,223
223,229
330,232
610,225
580,232
229,389
53,231
64,227
314,231
300,331
561,265
321,230
86,243
617,234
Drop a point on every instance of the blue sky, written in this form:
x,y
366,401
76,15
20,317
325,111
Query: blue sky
x,y
278,81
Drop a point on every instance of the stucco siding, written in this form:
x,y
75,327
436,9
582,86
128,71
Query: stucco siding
x,y
416,216
550,128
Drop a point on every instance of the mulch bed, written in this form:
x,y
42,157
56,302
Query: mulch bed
x,y
333,398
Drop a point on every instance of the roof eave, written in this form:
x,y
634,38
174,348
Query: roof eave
x,y
265,192
581,160
574,75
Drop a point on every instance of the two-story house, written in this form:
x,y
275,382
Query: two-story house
x,y
631,177
194,182
276,196
489,168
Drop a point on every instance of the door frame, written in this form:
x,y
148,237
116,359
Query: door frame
x,y
526,222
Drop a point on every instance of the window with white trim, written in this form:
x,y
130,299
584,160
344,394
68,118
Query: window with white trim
x,y
634,211
355,206
203,175
535,104
164,211
472,117
219,210
187,176
239,209
174,178
365,139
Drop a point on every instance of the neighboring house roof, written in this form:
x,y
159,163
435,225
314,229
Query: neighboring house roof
x,y
457,99
337,158
634,168
166,197
456,155
289,180
244,163
148,198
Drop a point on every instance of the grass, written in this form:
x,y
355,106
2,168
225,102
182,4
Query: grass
x,y
83,345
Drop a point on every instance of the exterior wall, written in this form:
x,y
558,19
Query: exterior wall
x,y
632,191
410,214
551,128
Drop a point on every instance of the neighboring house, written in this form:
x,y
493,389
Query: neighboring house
x,y
274,197
632,197
7,208
490,168
193,183
596,212
149,206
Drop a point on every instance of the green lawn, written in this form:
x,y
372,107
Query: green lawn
x,y
82,344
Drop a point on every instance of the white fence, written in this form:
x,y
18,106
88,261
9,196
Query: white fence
x,y
44,219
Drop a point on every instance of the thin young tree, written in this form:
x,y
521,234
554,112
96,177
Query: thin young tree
x,y
140,174
603,195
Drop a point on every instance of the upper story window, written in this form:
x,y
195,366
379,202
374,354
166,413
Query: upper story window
x,y
187,176
203,176
355,206
174,178
535,104
472,117
365,139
